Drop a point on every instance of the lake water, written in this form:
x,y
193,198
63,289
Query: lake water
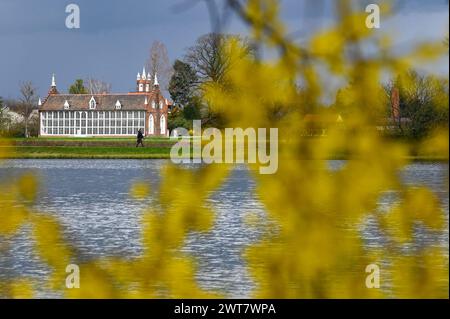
x,y
91,199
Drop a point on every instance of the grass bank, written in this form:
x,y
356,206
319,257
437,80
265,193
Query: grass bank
x,y
86,152
125,148
107,148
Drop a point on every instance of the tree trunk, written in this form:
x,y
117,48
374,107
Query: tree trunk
x,y
26,121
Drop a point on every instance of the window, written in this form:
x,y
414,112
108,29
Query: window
x,y
66,120
78,116
83,123
66,105
162,125
160,104
118,105
92,122
92,103
153,104
151,124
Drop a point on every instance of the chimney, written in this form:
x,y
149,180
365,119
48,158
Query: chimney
x,y
395,104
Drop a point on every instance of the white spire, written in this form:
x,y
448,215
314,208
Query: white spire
x,y
148,76
39,102
143,74
53,80
146,101
138,76
156,79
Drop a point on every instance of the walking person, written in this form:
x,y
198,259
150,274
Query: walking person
x,y
140,137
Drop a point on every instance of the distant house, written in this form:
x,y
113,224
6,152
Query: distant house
x,y
106,114
392,123
318,124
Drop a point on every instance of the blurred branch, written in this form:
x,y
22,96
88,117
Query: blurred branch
x,y
282,42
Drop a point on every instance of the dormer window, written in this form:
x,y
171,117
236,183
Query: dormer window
x,y
118,105
153,104
92,103
66,105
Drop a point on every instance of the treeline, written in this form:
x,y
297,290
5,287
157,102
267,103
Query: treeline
x,y
205,62
421,105
422,99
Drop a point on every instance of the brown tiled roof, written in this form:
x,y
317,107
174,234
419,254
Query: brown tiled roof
x,y
130,101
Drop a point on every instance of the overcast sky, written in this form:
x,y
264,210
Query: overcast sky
x,y
115,36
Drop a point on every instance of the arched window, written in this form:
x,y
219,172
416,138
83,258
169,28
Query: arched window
x,y
153,104
151,124
162,125
160,104
141,87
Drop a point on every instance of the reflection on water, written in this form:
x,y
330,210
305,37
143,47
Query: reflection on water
x,y
91,199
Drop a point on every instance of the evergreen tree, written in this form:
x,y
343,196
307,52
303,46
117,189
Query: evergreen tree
x,y
78,87
182,84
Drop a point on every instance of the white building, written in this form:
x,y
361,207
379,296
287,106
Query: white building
x,y
107,114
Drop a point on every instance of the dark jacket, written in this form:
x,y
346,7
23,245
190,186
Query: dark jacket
x,y
140,136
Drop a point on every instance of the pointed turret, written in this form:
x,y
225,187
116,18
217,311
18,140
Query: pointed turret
x,y
53,89
155,82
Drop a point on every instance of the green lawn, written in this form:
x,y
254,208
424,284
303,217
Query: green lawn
x,y
73,141
86,152
55,147
108,148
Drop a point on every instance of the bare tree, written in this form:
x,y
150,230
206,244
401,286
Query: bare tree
x,y
207,56
95,86
27,101
158,62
